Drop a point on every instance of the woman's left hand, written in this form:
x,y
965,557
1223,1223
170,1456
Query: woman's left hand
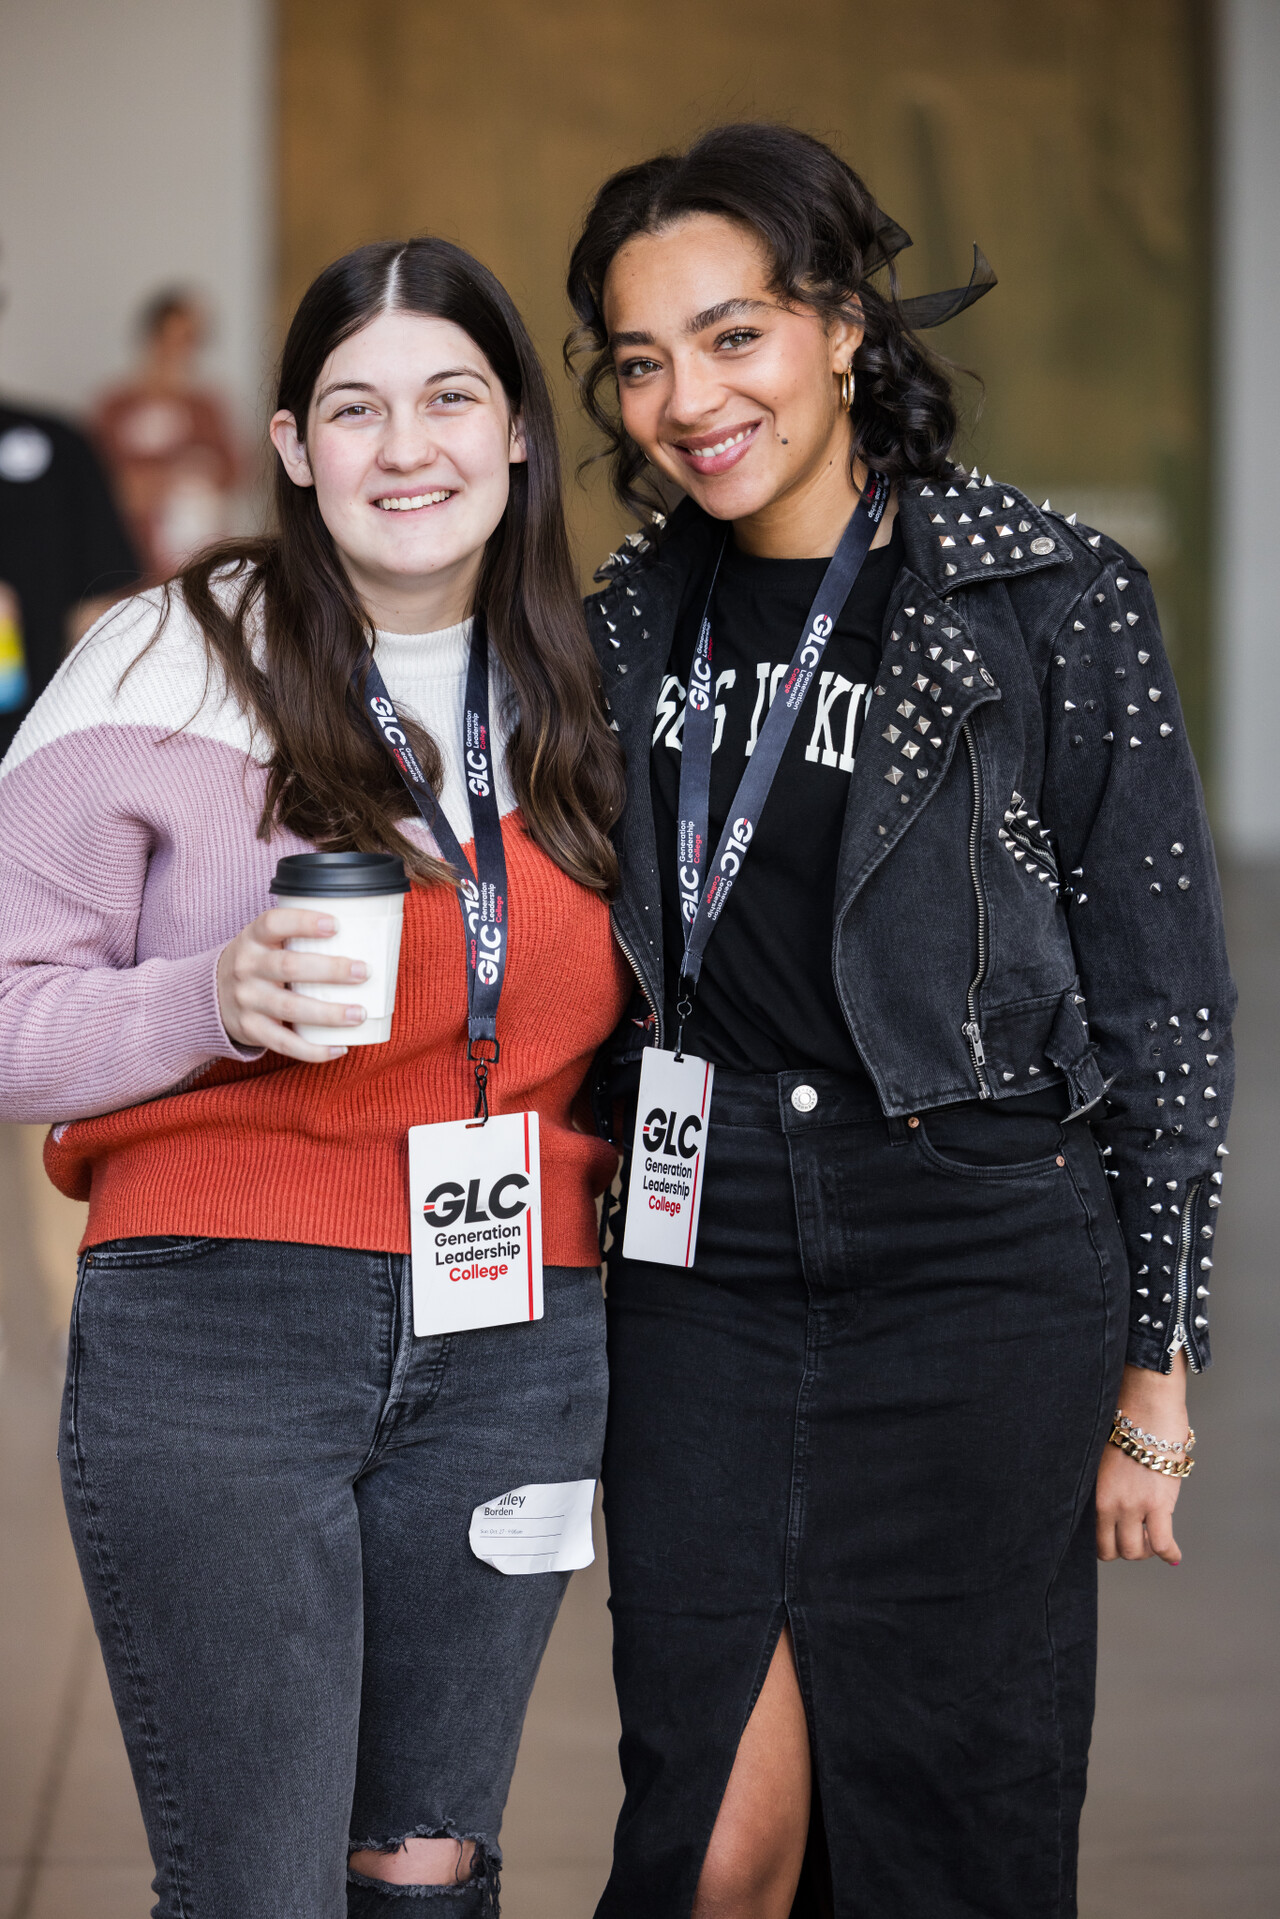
x,y
1135,1505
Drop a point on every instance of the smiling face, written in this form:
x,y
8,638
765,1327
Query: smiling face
x,y
408,442
730,392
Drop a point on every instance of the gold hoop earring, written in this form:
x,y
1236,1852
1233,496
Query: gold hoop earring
x,y
848,386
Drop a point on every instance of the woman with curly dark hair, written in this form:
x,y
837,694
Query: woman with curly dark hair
x,y
932,1025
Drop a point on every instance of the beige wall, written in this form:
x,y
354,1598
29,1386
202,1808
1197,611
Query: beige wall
x,y
133,152
1069,139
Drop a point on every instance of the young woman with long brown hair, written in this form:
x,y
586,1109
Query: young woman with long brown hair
x,y
917,881
271,1479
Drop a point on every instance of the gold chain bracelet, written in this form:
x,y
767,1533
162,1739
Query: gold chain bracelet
x,y
1155,1454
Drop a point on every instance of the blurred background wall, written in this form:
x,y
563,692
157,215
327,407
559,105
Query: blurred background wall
x,y
1071,140
134,153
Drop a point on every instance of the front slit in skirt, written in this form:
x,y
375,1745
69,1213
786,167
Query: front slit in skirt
x,y
872,1410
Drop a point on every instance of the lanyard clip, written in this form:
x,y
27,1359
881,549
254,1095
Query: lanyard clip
x,y
684,1007
481,1061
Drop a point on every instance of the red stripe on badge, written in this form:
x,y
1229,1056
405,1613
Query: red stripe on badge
x,y
697,1171
528,1220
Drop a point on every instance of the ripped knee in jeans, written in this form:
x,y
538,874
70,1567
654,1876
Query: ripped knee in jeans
x,y
430,1862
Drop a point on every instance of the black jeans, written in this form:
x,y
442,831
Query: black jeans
x,y
874,1409
270,1483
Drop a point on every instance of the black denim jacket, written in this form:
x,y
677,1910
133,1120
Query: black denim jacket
x,y
1026,890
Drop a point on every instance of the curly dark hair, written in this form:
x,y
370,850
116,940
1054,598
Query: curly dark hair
x,y
824,234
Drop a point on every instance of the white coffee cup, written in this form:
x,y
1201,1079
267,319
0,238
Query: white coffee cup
x,y
364,893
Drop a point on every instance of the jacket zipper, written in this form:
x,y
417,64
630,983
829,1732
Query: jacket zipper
x,y
648,996
972,1030
1181,1337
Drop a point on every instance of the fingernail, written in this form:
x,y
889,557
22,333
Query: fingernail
x,y
337,1052
325,925
353,1015
359,970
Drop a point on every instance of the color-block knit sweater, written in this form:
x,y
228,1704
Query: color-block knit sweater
x,y
129,857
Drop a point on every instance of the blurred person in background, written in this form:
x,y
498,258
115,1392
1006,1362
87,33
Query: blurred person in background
x,y
269,1478
957,962
168,441
65,556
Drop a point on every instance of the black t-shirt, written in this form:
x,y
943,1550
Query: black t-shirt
x,y
766,998
61,540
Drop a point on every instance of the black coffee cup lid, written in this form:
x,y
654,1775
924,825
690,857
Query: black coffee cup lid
x,y
338,875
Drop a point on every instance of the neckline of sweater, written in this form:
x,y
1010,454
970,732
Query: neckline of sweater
x,y
439,655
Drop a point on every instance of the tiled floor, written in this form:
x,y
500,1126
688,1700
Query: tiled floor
x,y
1181,1818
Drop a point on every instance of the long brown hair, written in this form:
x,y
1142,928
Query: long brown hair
x,y
329,780
824,235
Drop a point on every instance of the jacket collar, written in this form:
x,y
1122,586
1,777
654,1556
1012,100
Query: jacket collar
x,y
966,531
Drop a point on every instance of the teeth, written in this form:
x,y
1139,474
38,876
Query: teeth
x,y
710,452
415,500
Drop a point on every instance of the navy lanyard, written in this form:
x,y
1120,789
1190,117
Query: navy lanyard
x,y
701,905
482,896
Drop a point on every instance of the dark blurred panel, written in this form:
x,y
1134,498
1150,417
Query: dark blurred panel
x,y
1070,138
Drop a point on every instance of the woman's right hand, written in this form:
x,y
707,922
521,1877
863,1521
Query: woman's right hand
x,y
253,999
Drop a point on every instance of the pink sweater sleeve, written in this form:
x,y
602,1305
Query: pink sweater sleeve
x,y
129,856
81,1033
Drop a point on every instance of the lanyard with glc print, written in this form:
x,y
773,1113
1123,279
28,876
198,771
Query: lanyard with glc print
x,y
482,896
702,904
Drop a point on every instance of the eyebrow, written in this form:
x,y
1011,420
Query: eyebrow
x,y
710,316
432,379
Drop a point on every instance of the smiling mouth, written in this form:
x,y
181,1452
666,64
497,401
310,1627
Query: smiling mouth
x,y
411,502
708,455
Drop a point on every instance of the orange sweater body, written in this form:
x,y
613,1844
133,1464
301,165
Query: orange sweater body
x,y
274,1149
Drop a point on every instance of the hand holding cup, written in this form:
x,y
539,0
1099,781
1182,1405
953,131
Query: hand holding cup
x,y
255,974
264,974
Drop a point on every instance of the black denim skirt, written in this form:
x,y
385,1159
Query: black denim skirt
x,y
873,1410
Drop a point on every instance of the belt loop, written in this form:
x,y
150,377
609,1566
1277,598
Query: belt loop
x,y
898,1134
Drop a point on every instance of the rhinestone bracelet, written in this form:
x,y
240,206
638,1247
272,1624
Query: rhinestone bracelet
x,y
1151,1452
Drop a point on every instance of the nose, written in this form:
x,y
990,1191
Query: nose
x,y
695,393
406,443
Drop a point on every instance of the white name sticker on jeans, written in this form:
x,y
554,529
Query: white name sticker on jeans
x,y
475,1223
536,1529
664,1195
